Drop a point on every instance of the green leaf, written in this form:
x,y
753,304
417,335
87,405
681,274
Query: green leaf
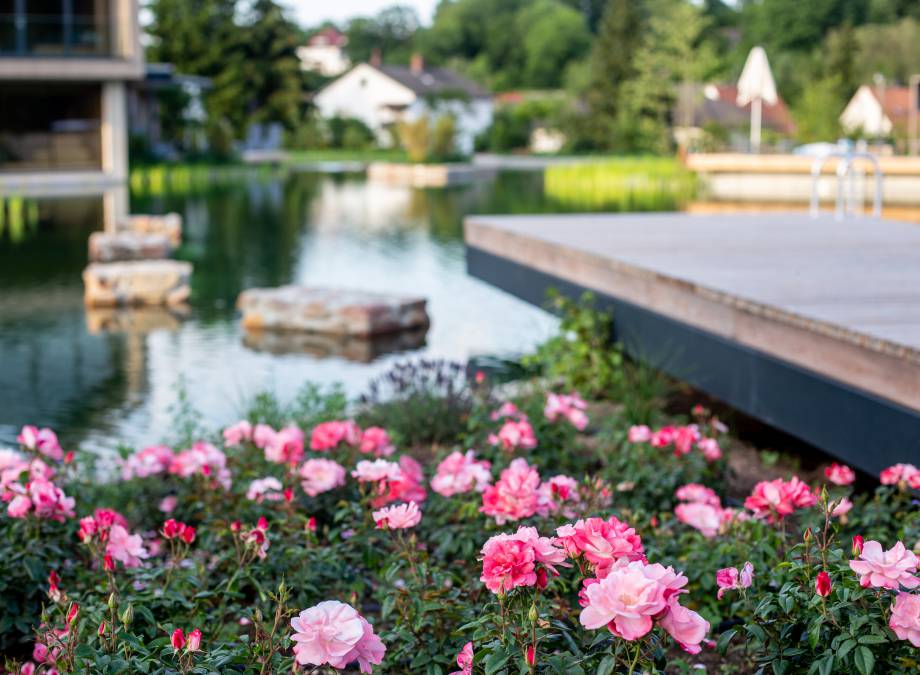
x,y
846,647
606,665
724,639
496,661
864,660
872,639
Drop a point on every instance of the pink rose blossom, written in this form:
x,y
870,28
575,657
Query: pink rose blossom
x,y
886,569
465,660
729,578
842,508
706,518
406,486
150,461
367,471
639,434
694,492
376,441
44,441
459,473
515,495
602,542
684,439
776,499
514,435
328,632
205,460
570,407
124,547
663,437
559,492
507,409
168,504
905,618
898,474
265,489
840,474
237,433
625,601
19,506
711,450
321,475
510,560
262,435
285,446
369,650
328,435
684,625
399,517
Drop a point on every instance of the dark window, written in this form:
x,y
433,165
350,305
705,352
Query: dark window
x,y
55,27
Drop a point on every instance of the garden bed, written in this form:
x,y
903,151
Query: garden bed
x,y
441,524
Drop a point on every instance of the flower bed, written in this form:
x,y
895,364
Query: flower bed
x,y
437,527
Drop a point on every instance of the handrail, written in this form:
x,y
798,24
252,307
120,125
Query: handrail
x,y
841,207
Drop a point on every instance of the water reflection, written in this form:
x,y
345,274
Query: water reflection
x,y
104,376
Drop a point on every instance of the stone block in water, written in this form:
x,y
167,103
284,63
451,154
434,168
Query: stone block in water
x,y
118,246
141,282
330,310
169,225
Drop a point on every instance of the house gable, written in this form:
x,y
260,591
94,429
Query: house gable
x,y
864,113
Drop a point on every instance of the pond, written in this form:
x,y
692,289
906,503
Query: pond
x,y
64,367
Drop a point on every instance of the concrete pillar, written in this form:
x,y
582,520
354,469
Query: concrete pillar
x,y
114,131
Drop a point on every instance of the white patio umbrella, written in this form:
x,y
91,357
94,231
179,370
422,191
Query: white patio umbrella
x,y
755,86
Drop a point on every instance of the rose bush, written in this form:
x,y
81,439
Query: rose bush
x,y
317,536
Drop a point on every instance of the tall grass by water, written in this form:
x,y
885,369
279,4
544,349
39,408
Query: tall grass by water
x,y
182,179
622,184
18,216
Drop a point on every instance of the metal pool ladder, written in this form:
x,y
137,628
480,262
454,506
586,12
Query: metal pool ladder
x,y
846,189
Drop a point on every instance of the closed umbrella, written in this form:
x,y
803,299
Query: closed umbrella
x,y
755,86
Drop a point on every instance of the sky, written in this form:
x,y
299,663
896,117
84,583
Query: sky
x,y
312,12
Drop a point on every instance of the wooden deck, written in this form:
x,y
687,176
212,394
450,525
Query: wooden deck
x,y
831,309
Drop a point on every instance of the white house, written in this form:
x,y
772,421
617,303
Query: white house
x,y
381,95
877,112
325,53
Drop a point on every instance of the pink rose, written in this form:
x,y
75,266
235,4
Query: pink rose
x,y
639,434
150,461
840,474
321,475
729,578
570,407
465,660
398,517
684,625
367,471
602,542
842,508
776,499
459,473
19,506
325,633
328,435
515,435
125,547
262,435
710,448
510,560
559,492
905,617
237,433
262,489
886,569
898,474
625,601
368,651
44,441
706,518
376,441
285,447
515,495
694,492
507,409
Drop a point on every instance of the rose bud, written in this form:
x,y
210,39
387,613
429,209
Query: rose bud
x,y
194,640
101,630
311,523
127,616
72,613
108,564
236,526
262,524
823,584
857,544
531,655
188,534
177,639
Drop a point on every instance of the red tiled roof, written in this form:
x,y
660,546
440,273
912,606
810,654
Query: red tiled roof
x,y
329,36
775,116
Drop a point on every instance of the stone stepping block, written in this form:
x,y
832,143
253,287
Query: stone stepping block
x,y
330,310
168,225
119,246
141,320
324,345
141,282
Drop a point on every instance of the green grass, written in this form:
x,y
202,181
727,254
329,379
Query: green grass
x,y
621,184
335,155
188,178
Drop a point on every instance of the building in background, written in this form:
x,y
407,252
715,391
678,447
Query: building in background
x,y
325,53
708,117
64,69
878,113
383,95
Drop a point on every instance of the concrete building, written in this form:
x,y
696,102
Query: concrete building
x,y
383,95
325,53
64,67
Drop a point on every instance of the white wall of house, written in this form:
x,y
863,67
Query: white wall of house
x,y
472,117
327,60
365,94
864,113
379,101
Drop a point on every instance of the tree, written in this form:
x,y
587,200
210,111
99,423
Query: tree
x,y
553,36
816,114
392,31
612,63
274,86
667,57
